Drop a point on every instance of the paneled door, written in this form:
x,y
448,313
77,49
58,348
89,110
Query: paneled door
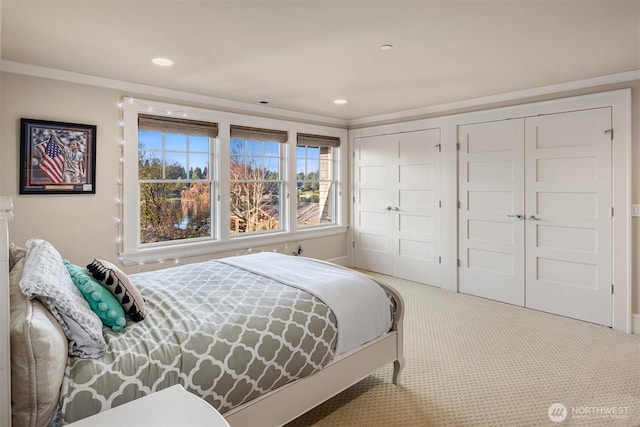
x,y
491,197
569,218
372,197
535,218
396,205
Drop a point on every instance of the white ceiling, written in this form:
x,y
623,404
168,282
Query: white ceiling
x,y
301,55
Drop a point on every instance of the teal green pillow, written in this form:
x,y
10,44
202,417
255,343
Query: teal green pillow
x,y
101,301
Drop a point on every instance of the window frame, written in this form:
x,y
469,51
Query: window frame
x,y
332,181
163,151
132,252
281,181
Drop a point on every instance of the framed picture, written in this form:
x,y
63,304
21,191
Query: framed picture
x,y
57,158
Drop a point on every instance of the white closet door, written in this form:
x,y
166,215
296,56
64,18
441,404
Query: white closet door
x,y
373,198
568,191
491,228
396,211
416,187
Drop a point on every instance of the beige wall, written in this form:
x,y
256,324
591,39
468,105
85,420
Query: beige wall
x,y
82,227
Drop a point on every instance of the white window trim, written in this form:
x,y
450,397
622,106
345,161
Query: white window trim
x,y
334,182
133,253
282,180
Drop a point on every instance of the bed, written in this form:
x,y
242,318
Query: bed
x,y
242,333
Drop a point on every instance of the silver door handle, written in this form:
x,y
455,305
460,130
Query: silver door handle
x,y
515,216
397,209
533,218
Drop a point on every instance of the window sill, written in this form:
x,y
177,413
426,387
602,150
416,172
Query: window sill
x,y
244,243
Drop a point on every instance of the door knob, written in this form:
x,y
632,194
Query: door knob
x,y
518,216
533,218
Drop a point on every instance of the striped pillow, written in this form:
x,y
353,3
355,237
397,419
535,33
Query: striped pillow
x,y
117,282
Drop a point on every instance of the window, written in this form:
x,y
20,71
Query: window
x,y
197,181
255,179
315,179
174,178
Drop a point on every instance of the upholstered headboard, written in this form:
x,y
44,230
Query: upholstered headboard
x,y
6,214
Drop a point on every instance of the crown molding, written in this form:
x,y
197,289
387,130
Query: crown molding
x,y
141,89
503,97
277,113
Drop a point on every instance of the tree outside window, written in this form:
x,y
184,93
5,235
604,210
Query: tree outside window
x,y
172,198
255,185
174,181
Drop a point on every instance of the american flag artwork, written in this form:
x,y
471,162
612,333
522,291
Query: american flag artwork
x,y
51,162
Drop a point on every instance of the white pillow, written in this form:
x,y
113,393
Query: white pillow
x,y
16,253
39,352
45,277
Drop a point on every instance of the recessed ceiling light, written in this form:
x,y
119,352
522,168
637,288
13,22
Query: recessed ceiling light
x,y
340,101
163,62
386,47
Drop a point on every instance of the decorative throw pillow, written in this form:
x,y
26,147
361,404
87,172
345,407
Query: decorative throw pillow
x,y
101,301
46,278
117,282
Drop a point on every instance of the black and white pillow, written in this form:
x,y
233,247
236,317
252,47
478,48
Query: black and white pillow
x,y
117,282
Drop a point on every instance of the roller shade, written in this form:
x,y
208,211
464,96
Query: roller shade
x,y
258,134
177,125
318,140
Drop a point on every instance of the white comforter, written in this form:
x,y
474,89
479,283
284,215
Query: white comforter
x,y
337,287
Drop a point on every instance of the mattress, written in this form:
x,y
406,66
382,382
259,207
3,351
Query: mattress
x,y
222,332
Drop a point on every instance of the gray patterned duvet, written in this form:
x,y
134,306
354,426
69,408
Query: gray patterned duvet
x,y
224,333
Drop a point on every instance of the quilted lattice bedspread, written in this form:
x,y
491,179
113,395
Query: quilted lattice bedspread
x,y
224,333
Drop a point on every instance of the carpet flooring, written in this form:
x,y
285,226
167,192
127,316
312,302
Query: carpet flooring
x,y
476,362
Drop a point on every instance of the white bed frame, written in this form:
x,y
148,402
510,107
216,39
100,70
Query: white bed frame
x,y
288,402
6,213
271,409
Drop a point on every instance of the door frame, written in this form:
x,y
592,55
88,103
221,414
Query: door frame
x,y
620,103
619,100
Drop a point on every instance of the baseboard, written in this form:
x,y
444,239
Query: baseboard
x,y
342,260
635,323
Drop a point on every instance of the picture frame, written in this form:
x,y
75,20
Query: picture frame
x,y
57,157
